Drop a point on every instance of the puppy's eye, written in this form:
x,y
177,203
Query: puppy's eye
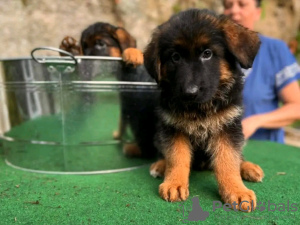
x,y
100,44
207,54
175,57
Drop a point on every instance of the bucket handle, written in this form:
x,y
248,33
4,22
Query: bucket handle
x,y
43,60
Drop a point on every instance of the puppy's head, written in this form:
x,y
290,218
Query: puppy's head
x,y
103,39
196,52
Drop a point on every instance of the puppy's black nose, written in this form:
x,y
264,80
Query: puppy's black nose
x,y
191,91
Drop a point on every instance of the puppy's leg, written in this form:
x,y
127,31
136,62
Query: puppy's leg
x,y
226,164
129,149
178,163
158,168
117,135
251,172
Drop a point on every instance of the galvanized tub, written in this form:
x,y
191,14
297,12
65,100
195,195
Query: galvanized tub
x,y
58,114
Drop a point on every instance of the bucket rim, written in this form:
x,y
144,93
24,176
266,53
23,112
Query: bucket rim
x,y
107,58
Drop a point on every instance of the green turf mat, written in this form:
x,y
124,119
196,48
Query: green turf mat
x,y
132,197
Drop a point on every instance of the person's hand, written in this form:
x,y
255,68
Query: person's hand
x,y
250,125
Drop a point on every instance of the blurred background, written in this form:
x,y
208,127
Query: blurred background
x,y
26,24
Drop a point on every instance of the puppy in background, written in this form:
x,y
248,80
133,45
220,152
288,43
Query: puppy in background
x,y
137,107
104,39
196,59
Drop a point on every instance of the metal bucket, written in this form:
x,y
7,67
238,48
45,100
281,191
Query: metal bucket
x,y
58,114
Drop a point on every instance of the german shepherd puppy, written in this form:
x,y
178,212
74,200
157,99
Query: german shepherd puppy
x,y
196,59
104,39
137,107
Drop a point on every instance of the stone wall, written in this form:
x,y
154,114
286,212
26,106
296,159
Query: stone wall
x,y
280,19
26,24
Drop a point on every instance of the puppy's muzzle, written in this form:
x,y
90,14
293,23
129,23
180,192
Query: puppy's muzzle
x,y
191,91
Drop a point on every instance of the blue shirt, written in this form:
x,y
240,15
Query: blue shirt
x,y
273,68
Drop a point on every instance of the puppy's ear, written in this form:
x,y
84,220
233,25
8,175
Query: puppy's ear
x,y
242,42
151,58
124,38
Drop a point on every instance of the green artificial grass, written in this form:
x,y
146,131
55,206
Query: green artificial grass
x,y
132,197
119,198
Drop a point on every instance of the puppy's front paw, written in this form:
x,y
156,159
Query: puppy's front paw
x,y
133,56
244,200
116,135
69,44
174,192
131,150
251,172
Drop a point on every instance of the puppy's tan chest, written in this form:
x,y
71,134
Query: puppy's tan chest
x,y
202,127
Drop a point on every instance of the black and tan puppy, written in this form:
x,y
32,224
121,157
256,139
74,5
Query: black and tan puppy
x,y
137,107
104,39
195,58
